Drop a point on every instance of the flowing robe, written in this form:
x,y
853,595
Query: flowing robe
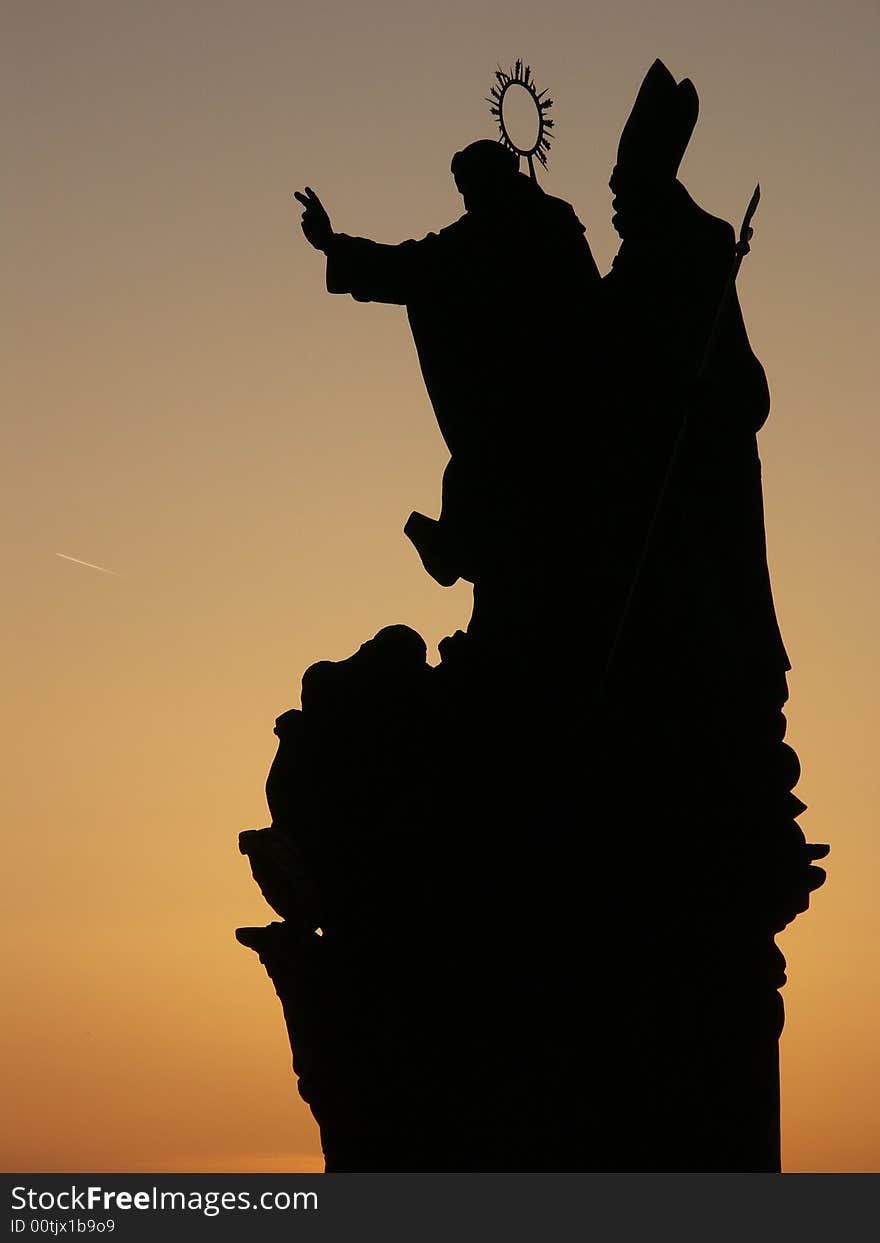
x,y
686,425
500,303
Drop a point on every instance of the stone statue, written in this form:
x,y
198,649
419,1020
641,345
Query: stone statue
x,y
529,895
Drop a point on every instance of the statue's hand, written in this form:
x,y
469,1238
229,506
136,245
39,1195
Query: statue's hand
x,y
315,221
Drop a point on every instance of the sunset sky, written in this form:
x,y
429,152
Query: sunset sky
x,y
186,407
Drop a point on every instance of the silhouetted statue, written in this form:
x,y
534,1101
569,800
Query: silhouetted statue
x,y
547,873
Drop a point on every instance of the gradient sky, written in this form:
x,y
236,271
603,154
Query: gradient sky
x,y
187,407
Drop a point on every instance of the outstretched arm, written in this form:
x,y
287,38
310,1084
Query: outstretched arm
x,y
369,271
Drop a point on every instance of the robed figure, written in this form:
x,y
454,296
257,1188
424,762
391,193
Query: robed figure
x,y
503,307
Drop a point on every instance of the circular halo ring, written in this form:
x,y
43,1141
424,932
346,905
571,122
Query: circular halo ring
x,y
521,75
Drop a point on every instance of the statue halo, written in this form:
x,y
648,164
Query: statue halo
x,y
521,75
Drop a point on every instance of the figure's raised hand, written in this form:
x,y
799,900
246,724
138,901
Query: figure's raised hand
x,y
315,221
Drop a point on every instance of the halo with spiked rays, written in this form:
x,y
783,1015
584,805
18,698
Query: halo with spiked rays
x,y
521,75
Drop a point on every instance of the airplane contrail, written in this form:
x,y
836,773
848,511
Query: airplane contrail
x,y
102,568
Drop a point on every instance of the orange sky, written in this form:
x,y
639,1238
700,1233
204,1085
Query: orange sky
x,y
189,409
